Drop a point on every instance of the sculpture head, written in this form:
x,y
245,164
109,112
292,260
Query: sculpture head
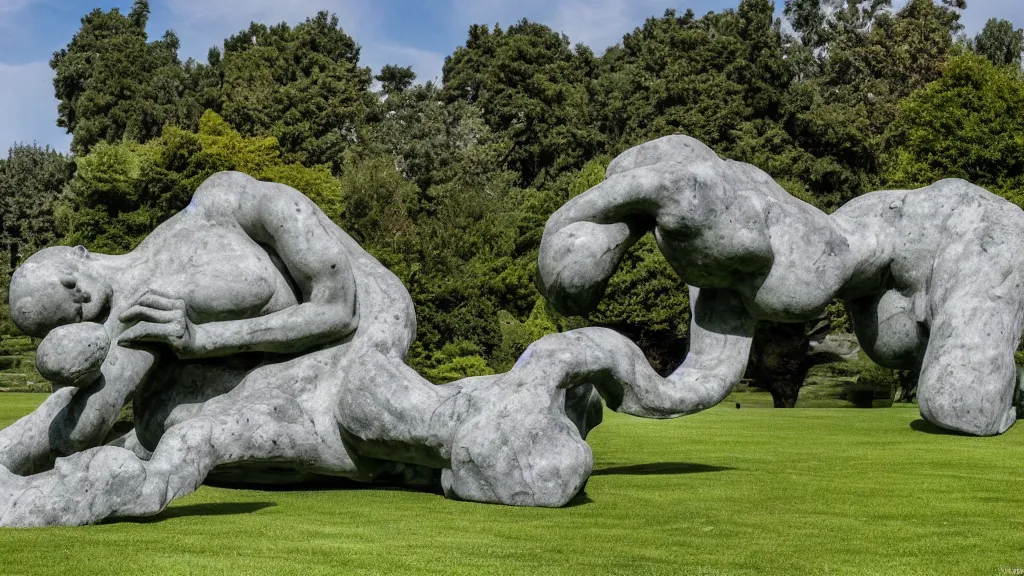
x,y
57,286
72,355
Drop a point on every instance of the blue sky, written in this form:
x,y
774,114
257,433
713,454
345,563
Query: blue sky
x,y
419,33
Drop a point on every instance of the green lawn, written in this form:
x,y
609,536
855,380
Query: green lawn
x,y
750,491
18,365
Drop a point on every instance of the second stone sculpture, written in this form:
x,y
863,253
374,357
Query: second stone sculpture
x,y
932,278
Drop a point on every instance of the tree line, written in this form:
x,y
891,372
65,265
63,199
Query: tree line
x,y
449,184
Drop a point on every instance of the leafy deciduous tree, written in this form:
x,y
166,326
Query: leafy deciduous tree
x,y
967,124
301,85
122,191
1000,42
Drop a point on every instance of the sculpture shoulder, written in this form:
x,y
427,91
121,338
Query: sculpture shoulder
x,y
676,149
224,189
233,191
240,197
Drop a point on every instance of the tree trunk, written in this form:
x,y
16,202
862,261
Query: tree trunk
x,y
12,252
780,360
905,389
784,394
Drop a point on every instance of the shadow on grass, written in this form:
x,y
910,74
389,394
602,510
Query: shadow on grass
x,y
580,499
656,468
212,509
332,484
922,425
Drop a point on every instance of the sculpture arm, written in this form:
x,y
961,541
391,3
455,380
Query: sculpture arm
x,y
93,410
585,239
293,226
284,219
720,336
721,333
72,419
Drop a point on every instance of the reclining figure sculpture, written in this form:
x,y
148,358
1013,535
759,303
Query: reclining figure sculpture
x,y
932,278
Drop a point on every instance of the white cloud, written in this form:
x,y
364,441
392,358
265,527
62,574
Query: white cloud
x,y
597,23
9,10
29,109
426,64
204,23
978,12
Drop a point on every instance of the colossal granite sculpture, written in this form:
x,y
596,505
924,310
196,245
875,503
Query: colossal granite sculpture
x,y
932,277
261,344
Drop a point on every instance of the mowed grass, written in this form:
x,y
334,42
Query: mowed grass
x,y
750,491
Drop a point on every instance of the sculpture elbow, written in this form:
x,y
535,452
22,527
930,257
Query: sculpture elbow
x,y
569,296
345,321
679,395
576,262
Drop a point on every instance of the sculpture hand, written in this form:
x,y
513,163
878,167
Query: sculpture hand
x,y
159,318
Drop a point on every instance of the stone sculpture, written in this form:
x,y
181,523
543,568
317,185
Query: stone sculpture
x,y
260,344
931,277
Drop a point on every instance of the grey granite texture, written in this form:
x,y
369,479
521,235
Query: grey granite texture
x,y
932,277
260,344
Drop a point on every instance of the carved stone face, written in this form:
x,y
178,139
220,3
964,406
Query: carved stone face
x,y
54,287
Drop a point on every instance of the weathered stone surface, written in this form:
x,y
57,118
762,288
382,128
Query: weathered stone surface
x,y
932,277
260,344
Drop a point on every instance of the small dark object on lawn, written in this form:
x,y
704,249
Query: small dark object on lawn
x,y
737,405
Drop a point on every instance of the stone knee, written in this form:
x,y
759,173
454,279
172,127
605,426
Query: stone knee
x,y
184,456
974,397
549,474
520,455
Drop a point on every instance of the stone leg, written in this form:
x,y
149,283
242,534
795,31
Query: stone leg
x,y
517,444
968,377
110,481
25,445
